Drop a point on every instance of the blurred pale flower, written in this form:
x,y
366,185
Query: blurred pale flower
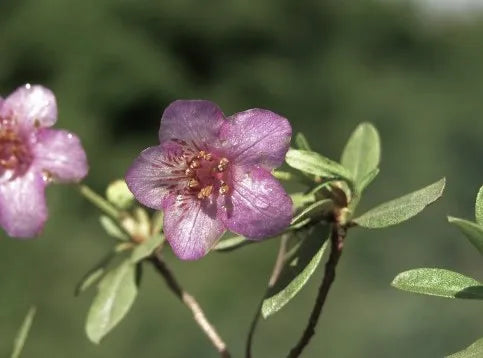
x,y
31,156
210,174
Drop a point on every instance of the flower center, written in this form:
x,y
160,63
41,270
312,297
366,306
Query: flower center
x,y
207,174
14,154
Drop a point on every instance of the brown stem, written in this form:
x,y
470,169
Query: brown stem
x,y
192,304
277,269
337,244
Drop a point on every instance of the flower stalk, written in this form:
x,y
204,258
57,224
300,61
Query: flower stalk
x,y
99,202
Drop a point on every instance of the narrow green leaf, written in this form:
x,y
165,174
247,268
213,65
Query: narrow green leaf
x,y
112,228
364,182
398,210
318,208
362,152
231,243
116,294
300,199
438,282
298,268
23,333
146,248
94,274
479,207
301,142
473,351
316,164
472,231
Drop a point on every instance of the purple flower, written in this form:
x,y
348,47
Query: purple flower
x,y
31,156
210,174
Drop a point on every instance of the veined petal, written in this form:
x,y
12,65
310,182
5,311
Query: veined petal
x,y
196,122
61,154
192,227
256,137
23,211
258,206
30,105
157,172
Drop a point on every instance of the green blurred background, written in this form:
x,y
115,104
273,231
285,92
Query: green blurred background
x,y
326,65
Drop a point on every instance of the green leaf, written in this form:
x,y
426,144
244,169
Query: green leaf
x,y
316,164
146,248
116,294
94,274
300,199
318,208
364,182
473,351
438,282
23,333
231,243
301,142
298,268
479,207
362,152
398,210
472,231
112,228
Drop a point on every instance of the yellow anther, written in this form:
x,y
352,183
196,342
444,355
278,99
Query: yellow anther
x,y
208,156
224,188
222,164
201,154
193,183
194,164
205,192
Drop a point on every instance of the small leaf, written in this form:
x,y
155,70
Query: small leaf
x,y
146,248
94,274
112,228
472,231
299,199
23,333
231,243
301,142
316,164
116,294
317,208
473,351
479,207
398,210
438,282
362,152
298,268
364,182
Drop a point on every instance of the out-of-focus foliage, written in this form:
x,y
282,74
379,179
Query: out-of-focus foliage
x,y
325,65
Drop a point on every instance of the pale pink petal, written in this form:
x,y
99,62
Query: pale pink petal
x,y
191,227
196,122
23,211
60,154
157,172
258,206
30,105
256,137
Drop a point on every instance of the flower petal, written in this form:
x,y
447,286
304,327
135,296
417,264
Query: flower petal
x,y
258,206
31,105
196,122
157,172
256,137
23,211
60,153
192,227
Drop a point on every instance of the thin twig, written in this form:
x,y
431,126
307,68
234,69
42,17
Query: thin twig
x,y
192,304
337,244
277,269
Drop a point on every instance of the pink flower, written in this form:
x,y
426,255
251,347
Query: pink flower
x,y
210,174
31,156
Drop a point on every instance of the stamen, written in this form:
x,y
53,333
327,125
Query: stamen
x,y
224,188
193,183
195,164
189,172
205,192
222,164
